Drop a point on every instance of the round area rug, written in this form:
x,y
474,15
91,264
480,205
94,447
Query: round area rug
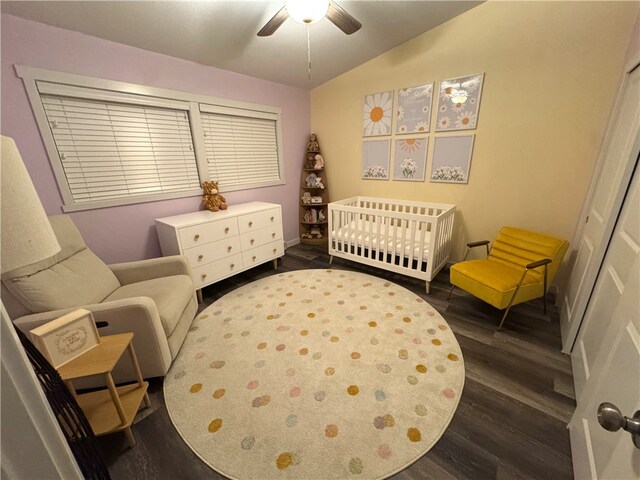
x,y
315,374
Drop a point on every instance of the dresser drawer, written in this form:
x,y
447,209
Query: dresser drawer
x,y
251,240
210,252
262,254
255,221
217,270
208,232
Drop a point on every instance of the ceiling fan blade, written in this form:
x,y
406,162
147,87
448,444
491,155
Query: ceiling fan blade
x,y
342,19
272,25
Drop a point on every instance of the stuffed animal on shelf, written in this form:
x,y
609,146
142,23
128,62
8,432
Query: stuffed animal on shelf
x,y
321,216
212,199
313,146
319,162
315,231
306,197
314,181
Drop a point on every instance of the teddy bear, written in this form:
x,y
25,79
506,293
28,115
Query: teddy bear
x,y
319,162
212,199
306,197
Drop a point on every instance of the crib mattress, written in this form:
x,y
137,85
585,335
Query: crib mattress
x,y
360,236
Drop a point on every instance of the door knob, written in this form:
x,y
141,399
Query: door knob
x,y
611,419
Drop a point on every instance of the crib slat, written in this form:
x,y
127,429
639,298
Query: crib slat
x,y
378,239
387,234
370,236
394,244
421,246
412,240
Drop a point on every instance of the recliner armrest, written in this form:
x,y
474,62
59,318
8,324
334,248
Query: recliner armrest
x,y
133,272
138,315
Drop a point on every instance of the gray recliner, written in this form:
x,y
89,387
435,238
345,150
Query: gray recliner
x,y
155,299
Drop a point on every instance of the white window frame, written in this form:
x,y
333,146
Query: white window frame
x,y
140,94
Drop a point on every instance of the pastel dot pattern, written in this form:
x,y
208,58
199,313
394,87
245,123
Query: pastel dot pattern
x,y
371,388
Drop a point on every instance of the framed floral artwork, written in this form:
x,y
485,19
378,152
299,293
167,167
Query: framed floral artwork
x,y
452,159
375,159
459,103
377,114
413,113
410,159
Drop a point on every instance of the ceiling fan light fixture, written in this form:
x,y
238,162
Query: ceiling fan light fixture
x,y
458,96
307,11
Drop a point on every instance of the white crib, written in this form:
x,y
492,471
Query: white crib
x,y
411,238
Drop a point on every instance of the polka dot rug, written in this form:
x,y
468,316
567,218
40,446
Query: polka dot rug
x,y
315,374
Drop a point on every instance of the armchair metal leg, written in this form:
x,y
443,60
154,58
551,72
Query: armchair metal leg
x,y
506,312
544,292
513,297
451,291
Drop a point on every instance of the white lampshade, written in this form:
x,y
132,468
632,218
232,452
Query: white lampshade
x,y
27,236
307,11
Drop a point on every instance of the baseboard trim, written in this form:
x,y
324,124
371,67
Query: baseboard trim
x,y
291,243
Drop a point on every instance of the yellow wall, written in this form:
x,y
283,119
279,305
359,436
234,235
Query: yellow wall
x,y
551,74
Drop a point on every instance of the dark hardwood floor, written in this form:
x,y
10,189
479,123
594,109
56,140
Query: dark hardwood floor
x,y
511,422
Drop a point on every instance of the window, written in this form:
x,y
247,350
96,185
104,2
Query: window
x,y
112,143
240,148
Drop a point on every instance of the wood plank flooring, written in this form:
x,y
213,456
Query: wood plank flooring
x,y
511,422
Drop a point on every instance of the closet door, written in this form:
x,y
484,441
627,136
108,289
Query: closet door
x,y
606,358
610,184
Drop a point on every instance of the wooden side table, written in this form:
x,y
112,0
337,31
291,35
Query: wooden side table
x,y
112,409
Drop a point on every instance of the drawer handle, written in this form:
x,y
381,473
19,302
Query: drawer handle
x,y
252,240
204,275
272,218
232,265
253,258
275,250
250,224
200,257
226,230
273,235
229,248
196,236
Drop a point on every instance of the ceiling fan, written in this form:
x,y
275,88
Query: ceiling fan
x,y
312,11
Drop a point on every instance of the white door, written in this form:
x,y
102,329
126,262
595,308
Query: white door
x,y
610,182
606,357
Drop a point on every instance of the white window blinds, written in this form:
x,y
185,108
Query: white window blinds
x,y
241,149
110,150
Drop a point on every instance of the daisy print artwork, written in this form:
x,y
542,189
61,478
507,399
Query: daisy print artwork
x,y
375,159
377,114
410,159
458,103
452,159
414,109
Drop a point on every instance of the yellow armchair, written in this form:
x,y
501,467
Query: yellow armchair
x,y
519,267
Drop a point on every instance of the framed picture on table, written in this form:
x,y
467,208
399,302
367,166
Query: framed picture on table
x,y
67,337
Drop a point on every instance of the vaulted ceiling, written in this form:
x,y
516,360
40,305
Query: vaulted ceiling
x,y
222,33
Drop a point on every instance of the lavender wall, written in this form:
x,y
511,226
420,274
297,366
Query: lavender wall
x,y
126,233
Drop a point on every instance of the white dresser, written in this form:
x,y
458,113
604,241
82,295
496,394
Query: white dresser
x,y
221,244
